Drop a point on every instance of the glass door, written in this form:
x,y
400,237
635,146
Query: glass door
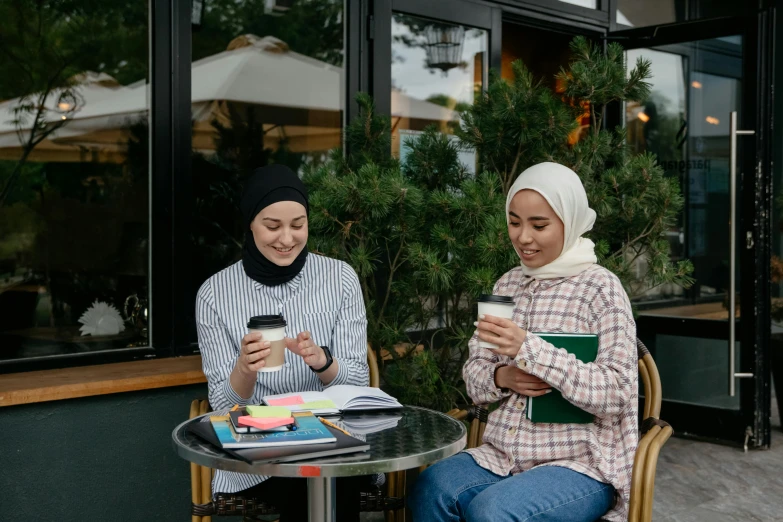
x,y
702,121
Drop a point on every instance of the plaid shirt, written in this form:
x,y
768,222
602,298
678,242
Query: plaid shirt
x,y
591,302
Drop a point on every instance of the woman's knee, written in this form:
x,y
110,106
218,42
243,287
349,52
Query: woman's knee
x,y
438,481
484,508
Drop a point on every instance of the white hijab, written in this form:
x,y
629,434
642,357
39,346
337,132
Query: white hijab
x,y
564,192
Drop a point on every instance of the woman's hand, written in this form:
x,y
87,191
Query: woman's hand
x,y
520,381
502,332
305,347
252,354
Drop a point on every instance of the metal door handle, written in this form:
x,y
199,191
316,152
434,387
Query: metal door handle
x,y
733,132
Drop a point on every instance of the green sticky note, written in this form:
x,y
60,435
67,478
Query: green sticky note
x,y
317,405
267,411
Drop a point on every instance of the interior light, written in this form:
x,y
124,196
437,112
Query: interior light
x,y
712,120
642,116
696,85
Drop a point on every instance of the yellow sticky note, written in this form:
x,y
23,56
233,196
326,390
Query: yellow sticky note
x,y
267,411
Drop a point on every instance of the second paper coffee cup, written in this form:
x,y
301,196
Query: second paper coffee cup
x,y
272,327
497,305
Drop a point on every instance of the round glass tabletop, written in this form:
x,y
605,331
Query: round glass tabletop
x,y
420,437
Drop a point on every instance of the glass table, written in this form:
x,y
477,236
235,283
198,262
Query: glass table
x,y
421,437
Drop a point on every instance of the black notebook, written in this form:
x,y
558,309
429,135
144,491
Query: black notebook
x,y
344,444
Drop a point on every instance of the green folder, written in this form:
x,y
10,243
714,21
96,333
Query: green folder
x,y
553,407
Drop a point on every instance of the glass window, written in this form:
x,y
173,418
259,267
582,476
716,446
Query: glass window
x,y
592,4
544,53
267,87
641,13
74,177
685,122
437,70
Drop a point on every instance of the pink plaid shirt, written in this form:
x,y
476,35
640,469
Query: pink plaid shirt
x,y
591,302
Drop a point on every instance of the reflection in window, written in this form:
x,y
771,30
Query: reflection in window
x,y
73,177
544,53
267,87
685,122
437,71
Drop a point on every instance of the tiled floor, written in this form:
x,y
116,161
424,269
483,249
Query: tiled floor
x,y
698,481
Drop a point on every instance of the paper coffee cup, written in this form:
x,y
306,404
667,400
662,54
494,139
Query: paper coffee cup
x,y
497,305
272,328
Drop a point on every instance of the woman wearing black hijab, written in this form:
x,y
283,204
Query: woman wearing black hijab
x,y
321,301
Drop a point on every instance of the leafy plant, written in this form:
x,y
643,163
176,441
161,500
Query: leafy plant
x,y
520,123
426,238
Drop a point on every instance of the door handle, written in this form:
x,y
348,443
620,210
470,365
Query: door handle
x,y
733,133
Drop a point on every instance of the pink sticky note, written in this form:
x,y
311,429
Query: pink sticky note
x,y
265,424
286,401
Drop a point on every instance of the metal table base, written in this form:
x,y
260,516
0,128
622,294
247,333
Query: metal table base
x,y
321,499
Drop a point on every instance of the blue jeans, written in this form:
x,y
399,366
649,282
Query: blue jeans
x,y
458,489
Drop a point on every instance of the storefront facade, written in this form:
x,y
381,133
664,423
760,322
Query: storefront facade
x,y
125,195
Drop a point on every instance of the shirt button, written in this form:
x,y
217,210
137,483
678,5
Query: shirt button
x,y
512,430
520,404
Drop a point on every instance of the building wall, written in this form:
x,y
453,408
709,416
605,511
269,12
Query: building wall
x,y
101,458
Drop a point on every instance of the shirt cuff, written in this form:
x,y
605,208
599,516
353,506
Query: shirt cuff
x,y
342,374
530,353
232,396
499,393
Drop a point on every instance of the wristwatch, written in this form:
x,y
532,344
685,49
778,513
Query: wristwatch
x,y
329,361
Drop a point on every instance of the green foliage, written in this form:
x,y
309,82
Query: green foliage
x,y
426,238
310,27
516,124
520,123
411,233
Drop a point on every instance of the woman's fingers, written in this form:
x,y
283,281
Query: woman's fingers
x,y
256,347
257,365
531,391
257,356
486,326
536,393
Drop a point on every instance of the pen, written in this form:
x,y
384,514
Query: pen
x,y
331,425
235,408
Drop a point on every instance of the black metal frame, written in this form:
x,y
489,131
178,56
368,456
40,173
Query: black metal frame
x,y
562,10
368,39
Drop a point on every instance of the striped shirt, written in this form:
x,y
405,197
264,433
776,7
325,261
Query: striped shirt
x,y
324,298
591,302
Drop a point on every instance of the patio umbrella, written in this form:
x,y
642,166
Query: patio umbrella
x,y
294,97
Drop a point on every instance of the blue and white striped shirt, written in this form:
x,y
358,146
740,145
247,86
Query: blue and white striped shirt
x,y
325,299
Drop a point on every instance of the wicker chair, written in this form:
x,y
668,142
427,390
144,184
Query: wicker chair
x,y
655,433
203,508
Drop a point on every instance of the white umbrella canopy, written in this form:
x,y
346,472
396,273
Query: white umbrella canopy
x,y
294,97
87,88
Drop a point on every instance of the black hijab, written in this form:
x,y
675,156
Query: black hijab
x,y
268,185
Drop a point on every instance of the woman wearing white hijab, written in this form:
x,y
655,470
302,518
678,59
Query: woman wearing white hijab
x,y
540,471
